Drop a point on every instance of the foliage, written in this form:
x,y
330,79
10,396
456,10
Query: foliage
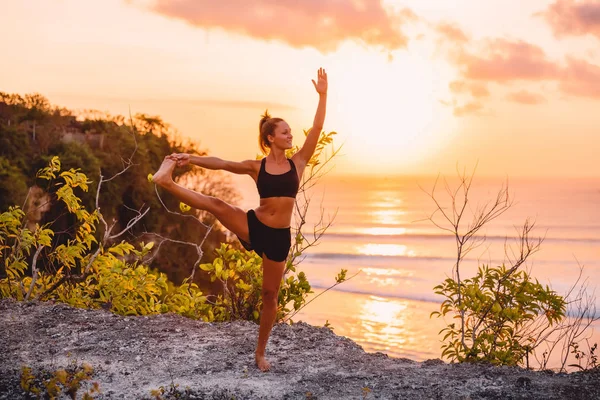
x,y
90,274
585,361
497,305
240,274
51,385
32,131
13,187
172,392
504,316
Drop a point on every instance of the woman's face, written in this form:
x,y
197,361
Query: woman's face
x,y
282,136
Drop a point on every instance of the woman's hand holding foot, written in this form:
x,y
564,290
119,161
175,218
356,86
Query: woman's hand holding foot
x,y
164,174
182,159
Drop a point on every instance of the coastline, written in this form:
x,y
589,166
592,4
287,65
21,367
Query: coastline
x,y
398,327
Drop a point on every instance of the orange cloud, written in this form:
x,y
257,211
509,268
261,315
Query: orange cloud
x,y
567,17
581,79
509,62
452,33
322,24
525,97
503,60
469,108
475,89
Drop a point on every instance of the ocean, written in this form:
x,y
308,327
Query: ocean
x,y
380,232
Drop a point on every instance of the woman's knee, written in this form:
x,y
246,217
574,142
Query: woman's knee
x,y
270,296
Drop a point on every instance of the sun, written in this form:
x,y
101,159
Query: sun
x,y
390,111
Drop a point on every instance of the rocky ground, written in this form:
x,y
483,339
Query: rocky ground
x,y
132,356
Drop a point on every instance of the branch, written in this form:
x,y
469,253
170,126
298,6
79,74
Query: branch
x,y
35,271
131,223
198,248
77,278
317,296
129,162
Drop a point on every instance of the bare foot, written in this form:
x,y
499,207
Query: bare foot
x,y
164,173
262,363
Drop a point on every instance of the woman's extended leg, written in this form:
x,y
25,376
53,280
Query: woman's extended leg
x,y
232,218
272,275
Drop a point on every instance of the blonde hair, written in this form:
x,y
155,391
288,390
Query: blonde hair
x,y
266,127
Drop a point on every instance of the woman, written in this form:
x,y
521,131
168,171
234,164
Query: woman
x,y
266,229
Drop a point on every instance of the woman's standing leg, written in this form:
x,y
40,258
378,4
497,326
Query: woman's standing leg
x,y
272,275
232,218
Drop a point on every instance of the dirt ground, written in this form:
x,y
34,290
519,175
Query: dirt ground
x,y
132,356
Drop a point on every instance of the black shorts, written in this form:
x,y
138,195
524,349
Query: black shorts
x,y
275,243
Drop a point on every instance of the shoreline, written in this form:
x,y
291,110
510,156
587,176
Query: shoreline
x,y
409,334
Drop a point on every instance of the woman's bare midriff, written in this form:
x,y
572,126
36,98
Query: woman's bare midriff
x,y
275,212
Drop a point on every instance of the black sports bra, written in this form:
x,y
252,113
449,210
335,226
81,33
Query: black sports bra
x,y
281,185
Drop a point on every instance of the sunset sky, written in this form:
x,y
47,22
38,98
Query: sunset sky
x,y
415,86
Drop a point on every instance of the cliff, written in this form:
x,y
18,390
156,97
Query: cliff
x,y
131,356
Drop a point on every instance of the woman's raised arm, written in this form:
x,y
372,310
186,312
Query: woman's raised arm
x,y
310,144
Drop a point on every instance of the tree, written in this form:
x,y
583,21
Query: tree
x,y
99,141
503,314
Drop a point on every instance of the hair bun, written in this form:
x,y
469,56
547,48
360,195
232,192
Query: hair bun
x,y
266,115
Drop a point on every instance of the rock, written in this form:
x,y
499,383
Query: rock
x,y
433,362
198,360
523,382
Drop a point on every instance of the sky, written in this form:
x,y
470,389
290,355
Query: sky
x,y
416,87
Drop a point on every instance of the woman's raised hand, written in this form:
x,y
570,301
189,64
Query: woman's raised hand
x,y
321,83
182,159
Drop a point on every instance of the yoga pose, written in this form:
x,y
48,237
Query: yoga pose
x,y
266,230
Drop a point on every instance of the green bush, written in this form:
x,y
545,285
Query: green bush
x,y
496,306
240,274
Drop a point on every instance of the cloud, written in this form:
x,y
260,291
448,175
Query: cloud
x,y
452,33
322,24
525,97
510,63
502,60
475,89
581,78
474,107
570,18
506,62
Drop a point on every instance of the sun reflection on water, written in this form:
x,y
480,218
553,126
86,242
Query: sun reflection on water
x,y
380,249
383,231
382,323
387,272
387,216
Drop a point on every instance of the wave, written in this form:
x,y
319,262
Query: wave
x,y
442,236
352,256
433,298
369,223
